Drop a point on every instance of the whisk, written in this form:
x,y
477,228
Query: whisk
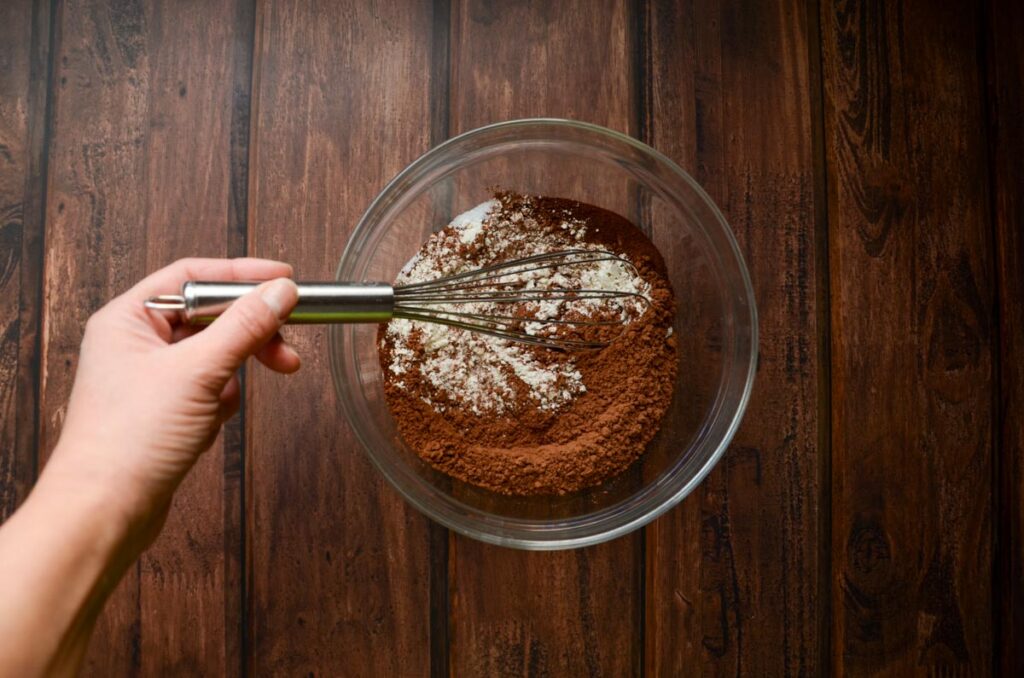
x,y
452,300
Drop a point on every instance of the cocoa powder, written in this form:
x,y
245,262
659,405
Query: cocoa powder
x,y
529,449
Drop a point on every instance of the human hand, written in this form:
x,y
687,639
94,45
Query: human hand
x,y
151,394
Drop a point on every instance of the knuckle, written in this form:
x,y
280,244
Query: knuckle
x,y
94,322
208,378
187,262
186,265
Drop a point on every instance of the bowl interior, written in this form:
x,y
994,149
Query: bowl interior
x,y
715,322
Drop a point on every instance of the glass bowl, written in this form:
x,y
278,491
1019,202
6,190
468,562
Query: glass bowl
x,y
716,322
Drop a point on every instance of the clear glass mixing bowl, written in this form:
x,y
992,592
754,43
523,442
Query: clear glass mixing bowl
x,y
716,323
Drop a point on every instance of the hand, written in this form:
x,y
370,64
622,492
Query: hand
x,y
151,394
149,397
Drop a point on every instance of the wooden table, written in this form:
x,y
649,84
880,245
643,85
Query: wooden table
x,y
868,516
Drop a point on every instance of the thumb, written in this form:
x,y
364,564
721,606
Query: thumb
x,y
249,323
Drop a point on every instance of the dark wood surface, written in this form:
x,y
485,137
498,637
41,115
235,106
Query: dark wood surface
x,y
1005,117
328,596
869,516
912,278
733,573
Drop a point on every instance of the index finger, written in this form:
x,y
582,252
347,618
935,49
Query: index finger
x,y
168,280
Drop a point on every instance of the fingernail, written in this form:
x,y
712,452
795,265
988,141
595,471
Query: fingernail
x,y
280,296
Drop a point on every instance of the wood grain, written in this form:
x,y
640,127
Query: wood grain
x,y
1005,25
732,573
513,612
912,286
337,564
233,436
24,60
126,196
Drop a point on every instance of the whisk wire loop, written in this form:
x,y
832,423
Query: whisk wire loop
x,y
445,300
536,262
521,336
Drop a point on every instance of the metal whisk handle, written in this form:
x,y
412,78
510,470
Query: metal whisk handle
x,y
319,302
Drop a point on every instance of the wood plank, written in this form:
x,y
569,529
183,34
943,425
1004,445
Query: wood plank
x,y
732,573
139,176
1005,25
912,317
235,625
24,53
338,566
514,612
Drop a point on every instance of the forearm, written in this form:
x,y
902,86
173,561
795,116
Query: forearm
x,y
61,554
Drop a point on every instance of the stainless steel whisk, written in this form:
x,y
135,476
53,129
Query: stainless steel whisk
x,y
437,301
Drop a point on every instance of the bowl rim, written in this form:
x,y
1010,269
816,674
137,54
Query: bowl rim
x,y
530,541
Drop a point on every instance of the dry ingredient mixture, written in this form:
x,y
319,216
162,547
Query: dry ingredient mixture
x,y
521,419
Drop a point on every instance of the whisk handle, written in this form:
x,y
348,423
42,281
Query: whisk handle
x,y
201,302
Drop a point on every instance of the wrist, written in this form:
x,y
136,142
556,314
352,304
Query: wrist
x,y
67,549
97,501
74,504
